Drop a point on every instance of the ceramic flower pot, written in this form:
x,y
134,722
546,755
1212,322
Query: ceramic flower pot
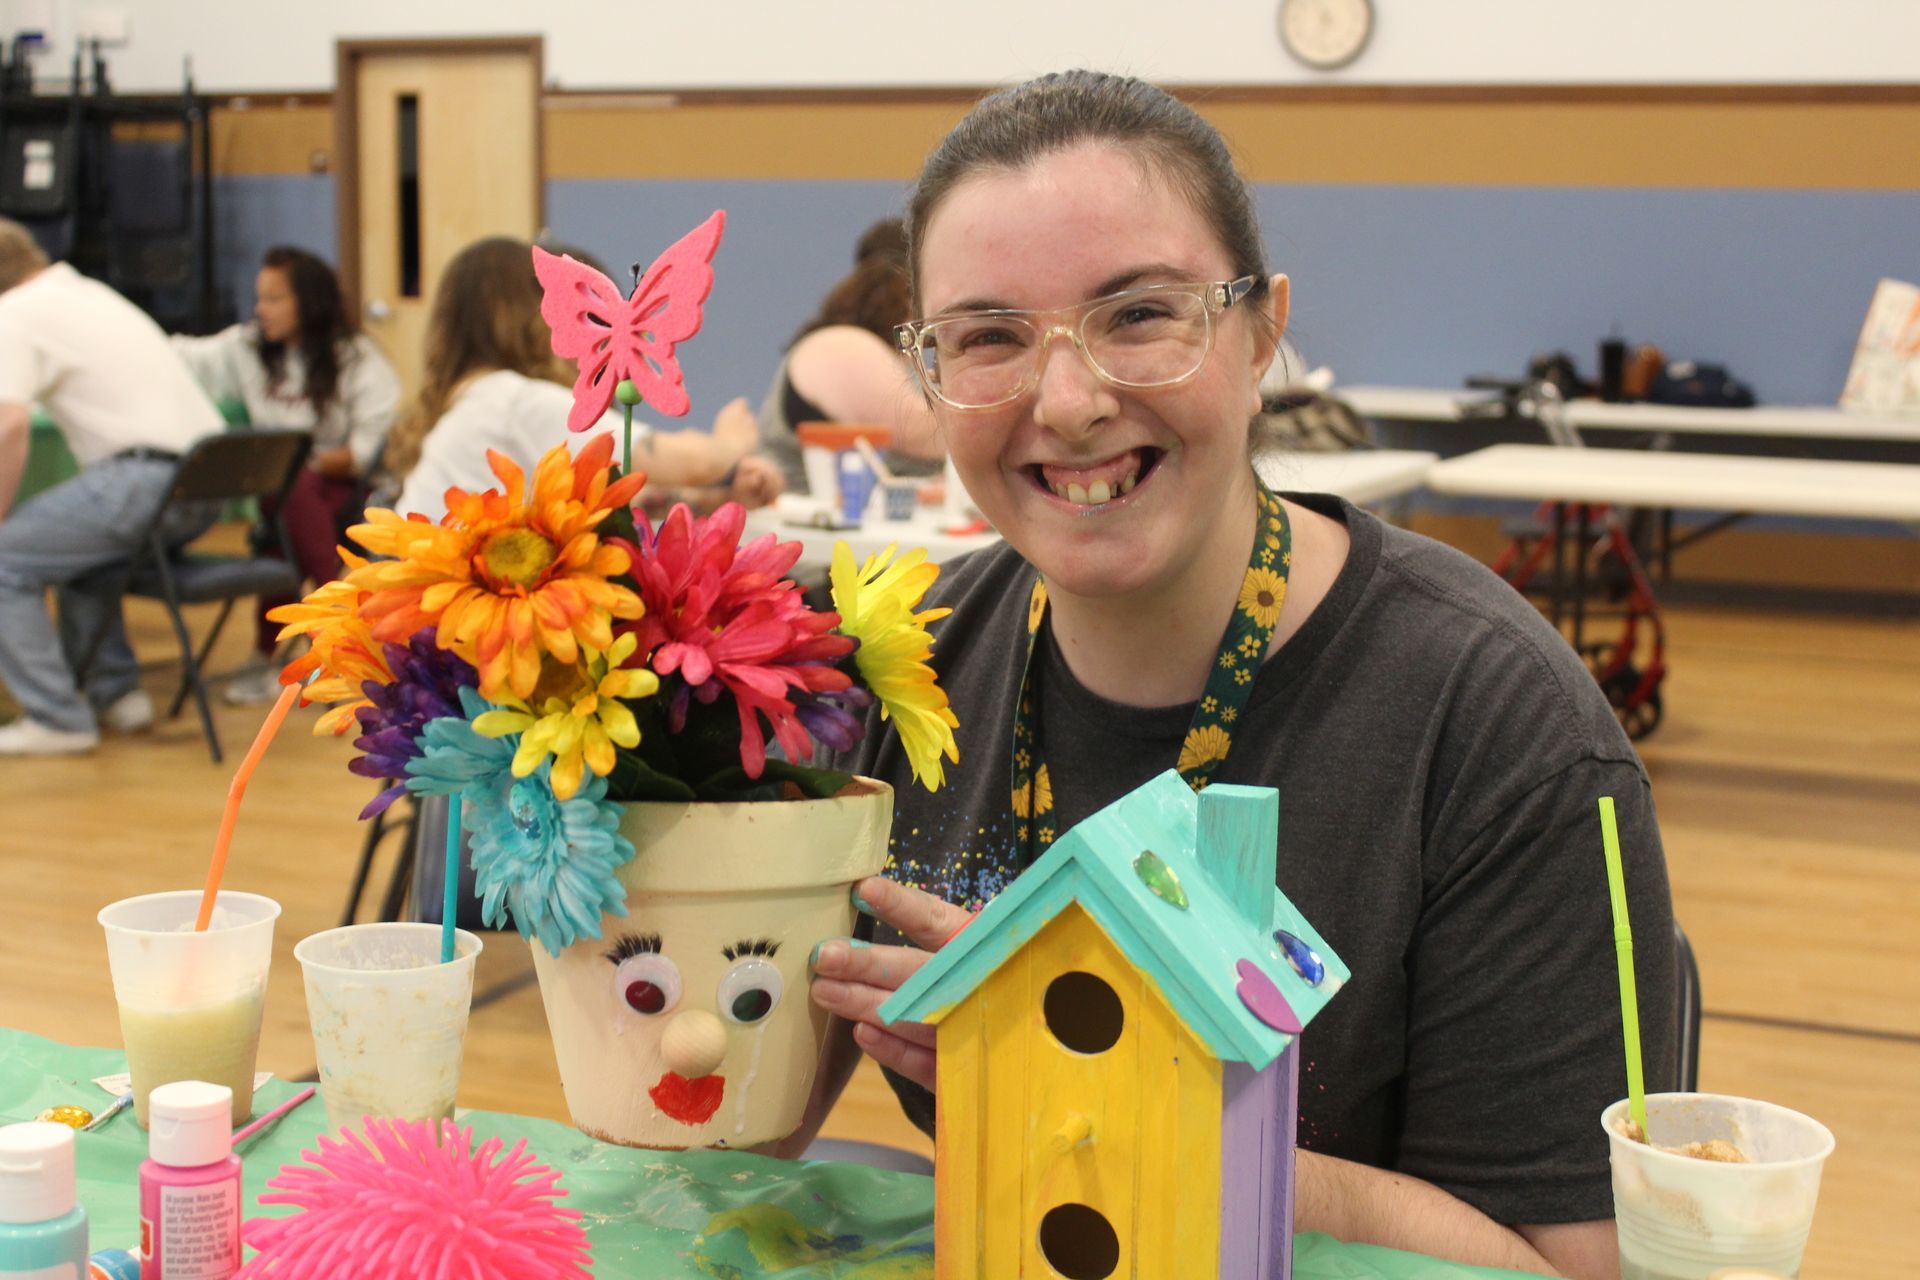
x,y
687,1022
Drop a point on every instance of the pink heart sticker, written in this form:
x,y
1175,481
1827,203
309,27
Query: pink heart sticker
x,y
1263,999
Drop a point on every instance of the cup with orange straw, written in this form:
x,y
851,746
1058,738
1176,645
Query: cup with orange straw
x,y
190,967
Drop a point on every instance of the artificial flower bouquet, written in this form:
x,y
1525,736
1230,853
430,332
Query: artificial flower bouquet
x,y
545,654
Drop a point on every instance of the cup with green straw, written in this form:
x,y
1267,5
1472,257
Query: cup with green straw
x,y
1623,957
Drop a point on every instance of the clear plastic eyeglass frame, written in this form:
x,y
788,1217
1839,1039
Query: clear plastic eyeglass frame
x,y
918,340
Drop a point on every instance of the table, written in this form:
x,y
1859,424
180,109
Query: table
x,y
1796,422
659,1214
1734,483
1363,476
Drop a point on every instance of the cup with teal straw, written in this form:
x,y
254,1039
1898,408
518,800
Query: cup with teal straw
x,y
450,900
1623,957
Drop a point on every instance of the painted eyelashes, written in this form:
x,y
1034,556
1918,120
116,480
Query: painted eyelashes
x,y
651,985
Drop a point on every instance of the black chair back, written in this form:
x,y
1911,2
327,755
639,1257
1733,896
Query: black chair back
x,y
231,465
1686,1009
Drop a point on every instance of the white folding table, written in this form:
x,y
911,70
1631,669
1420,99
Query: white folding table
x,y
1795,422
1721,482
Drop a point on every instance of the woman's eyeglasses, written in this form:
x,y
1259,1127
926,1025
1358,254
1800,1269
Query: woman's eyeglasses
x,y
1150,337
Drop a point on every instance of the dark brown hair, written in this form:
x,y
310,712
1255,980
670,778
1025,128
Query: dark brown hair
x,y
873,296
485,316
1013,128
326,326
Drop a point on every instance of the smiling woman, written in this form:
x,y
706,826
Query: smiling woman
x,y
1096,313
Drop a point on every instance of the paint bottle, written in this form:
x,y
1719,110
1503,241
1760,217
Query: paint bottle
x,y
43,1227
113,1264
190,1184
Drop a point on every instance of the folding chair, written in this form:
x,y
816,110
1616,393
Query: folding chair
x,y
219,468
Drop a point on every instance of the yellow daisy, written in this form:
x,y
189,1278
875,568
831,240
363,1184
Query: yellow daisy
x,y
1042,792
1036,606
1262,592
876,602
575,715
1203,747
1023,800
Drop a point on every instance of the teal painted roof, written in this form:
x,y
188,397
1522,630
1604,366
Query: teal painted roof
x,y
1192,955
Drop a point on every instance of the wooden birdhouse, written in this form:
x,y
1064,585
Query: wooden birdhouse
x,y
1117,1067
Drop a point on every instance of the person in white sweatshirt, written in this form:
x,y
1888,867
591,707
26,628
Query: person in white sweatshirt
x,y
302,363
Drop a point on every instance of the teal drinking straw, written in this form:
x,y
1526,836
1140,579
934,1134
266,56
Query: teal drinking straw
x,y
1623,954
449,906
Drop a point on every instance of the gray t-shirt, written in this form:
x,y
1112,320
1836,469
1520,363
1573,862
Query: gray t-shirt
x,y
1438,749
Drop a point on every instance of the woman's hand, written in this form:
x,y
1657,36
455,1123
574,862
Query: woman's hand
x,y
736,430
853,979
756,482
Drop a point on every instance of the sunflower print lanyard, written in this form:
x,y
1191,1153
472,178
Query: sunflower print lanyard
x,y
1229,683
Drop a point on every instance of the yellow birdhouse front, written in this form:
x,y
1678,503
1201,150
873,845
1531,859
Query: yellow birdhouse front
x,y
1116,1090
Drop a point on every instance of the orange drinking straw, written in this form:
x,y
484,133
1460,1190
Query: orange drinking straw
x,y
223,841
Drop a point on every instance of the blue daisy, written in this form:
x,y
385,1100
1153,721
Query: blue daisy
x,y
548,862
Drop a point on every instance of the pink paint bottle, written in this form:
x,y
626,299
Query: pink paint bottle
x,y
190,1185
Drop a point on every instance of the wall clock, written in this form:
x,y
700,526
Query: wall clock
x,y
1326,34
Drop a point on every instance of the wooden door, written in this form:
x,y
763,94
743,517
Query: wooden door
x,y
439,145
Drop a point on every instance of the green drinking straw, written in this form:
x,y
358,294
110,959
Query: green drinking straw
x,y
449,905
1623,953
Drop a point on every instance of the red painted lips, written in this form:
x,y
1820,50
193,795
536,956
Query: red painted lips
x,y
688,1101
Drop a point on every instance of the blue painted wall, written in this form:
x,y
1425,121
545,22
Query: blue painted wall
x,y
1424,285
1394,284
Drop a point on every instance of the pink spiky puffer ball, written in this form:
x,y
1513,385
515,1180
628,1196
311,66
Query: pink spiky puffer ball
x,y
396,1202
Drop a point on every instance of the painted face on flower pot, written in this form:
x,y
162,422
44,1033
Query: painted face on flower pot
x,y
692,1008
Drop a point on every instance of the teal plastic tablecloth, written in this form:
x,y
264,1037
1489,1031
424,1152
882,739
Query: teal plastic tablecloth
x,y
711,1214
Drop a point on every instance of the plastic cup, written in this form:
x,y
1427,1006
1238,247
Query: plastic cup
x,y
821,466
389,1019
190,1002
1680,1218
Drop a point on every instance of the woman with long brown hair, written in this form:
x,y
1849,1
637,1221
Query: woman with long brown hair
x,y
493,382
303,363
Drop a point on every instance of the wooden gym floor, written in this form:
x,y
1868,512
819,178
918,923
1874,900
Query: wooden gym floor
x,y
1787,774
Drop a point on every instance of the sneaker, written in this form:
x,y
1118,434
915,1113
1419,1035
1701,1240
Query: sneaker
x,y
131,712
252,688
25,737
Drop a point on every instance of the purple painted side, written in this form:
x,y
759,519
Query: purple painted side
x,y
1257,1121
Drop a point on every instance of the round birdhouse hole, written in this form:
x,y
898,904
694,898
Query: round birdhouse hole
x,y
1078,1242
1083,1012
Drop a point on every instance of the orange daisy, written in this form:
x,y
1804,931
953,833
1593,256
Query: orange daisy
x,y
509,574
343,650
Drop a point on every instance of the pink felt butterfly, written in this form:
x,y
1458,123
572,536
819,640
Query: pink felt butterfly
x,y
613,338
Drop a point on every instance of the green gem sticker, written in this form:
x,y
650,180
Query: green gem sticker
x,y
1160,878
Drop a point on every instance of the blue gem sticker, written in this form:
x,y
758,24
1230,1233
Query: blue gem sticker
x,y
1305,960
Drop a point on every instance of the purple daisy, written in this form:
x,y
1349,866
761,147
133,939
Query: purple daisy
x,y
426,686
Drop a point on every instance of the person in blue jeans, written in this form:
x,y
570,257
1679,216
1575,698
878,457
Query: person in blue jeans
x,y
128,409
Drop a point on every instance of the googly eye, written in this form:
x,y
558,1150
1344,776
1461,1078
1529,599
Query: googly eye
x,y
750,991
649,983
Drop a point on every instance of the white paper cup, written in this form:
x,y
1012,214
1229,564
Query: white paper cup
x,y
1680,1218
822,468
389,1019
190,1002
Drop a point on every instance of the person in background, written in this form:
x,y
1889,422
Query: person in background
x,y
302,363
843,366
1099,312
128,410
493,382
